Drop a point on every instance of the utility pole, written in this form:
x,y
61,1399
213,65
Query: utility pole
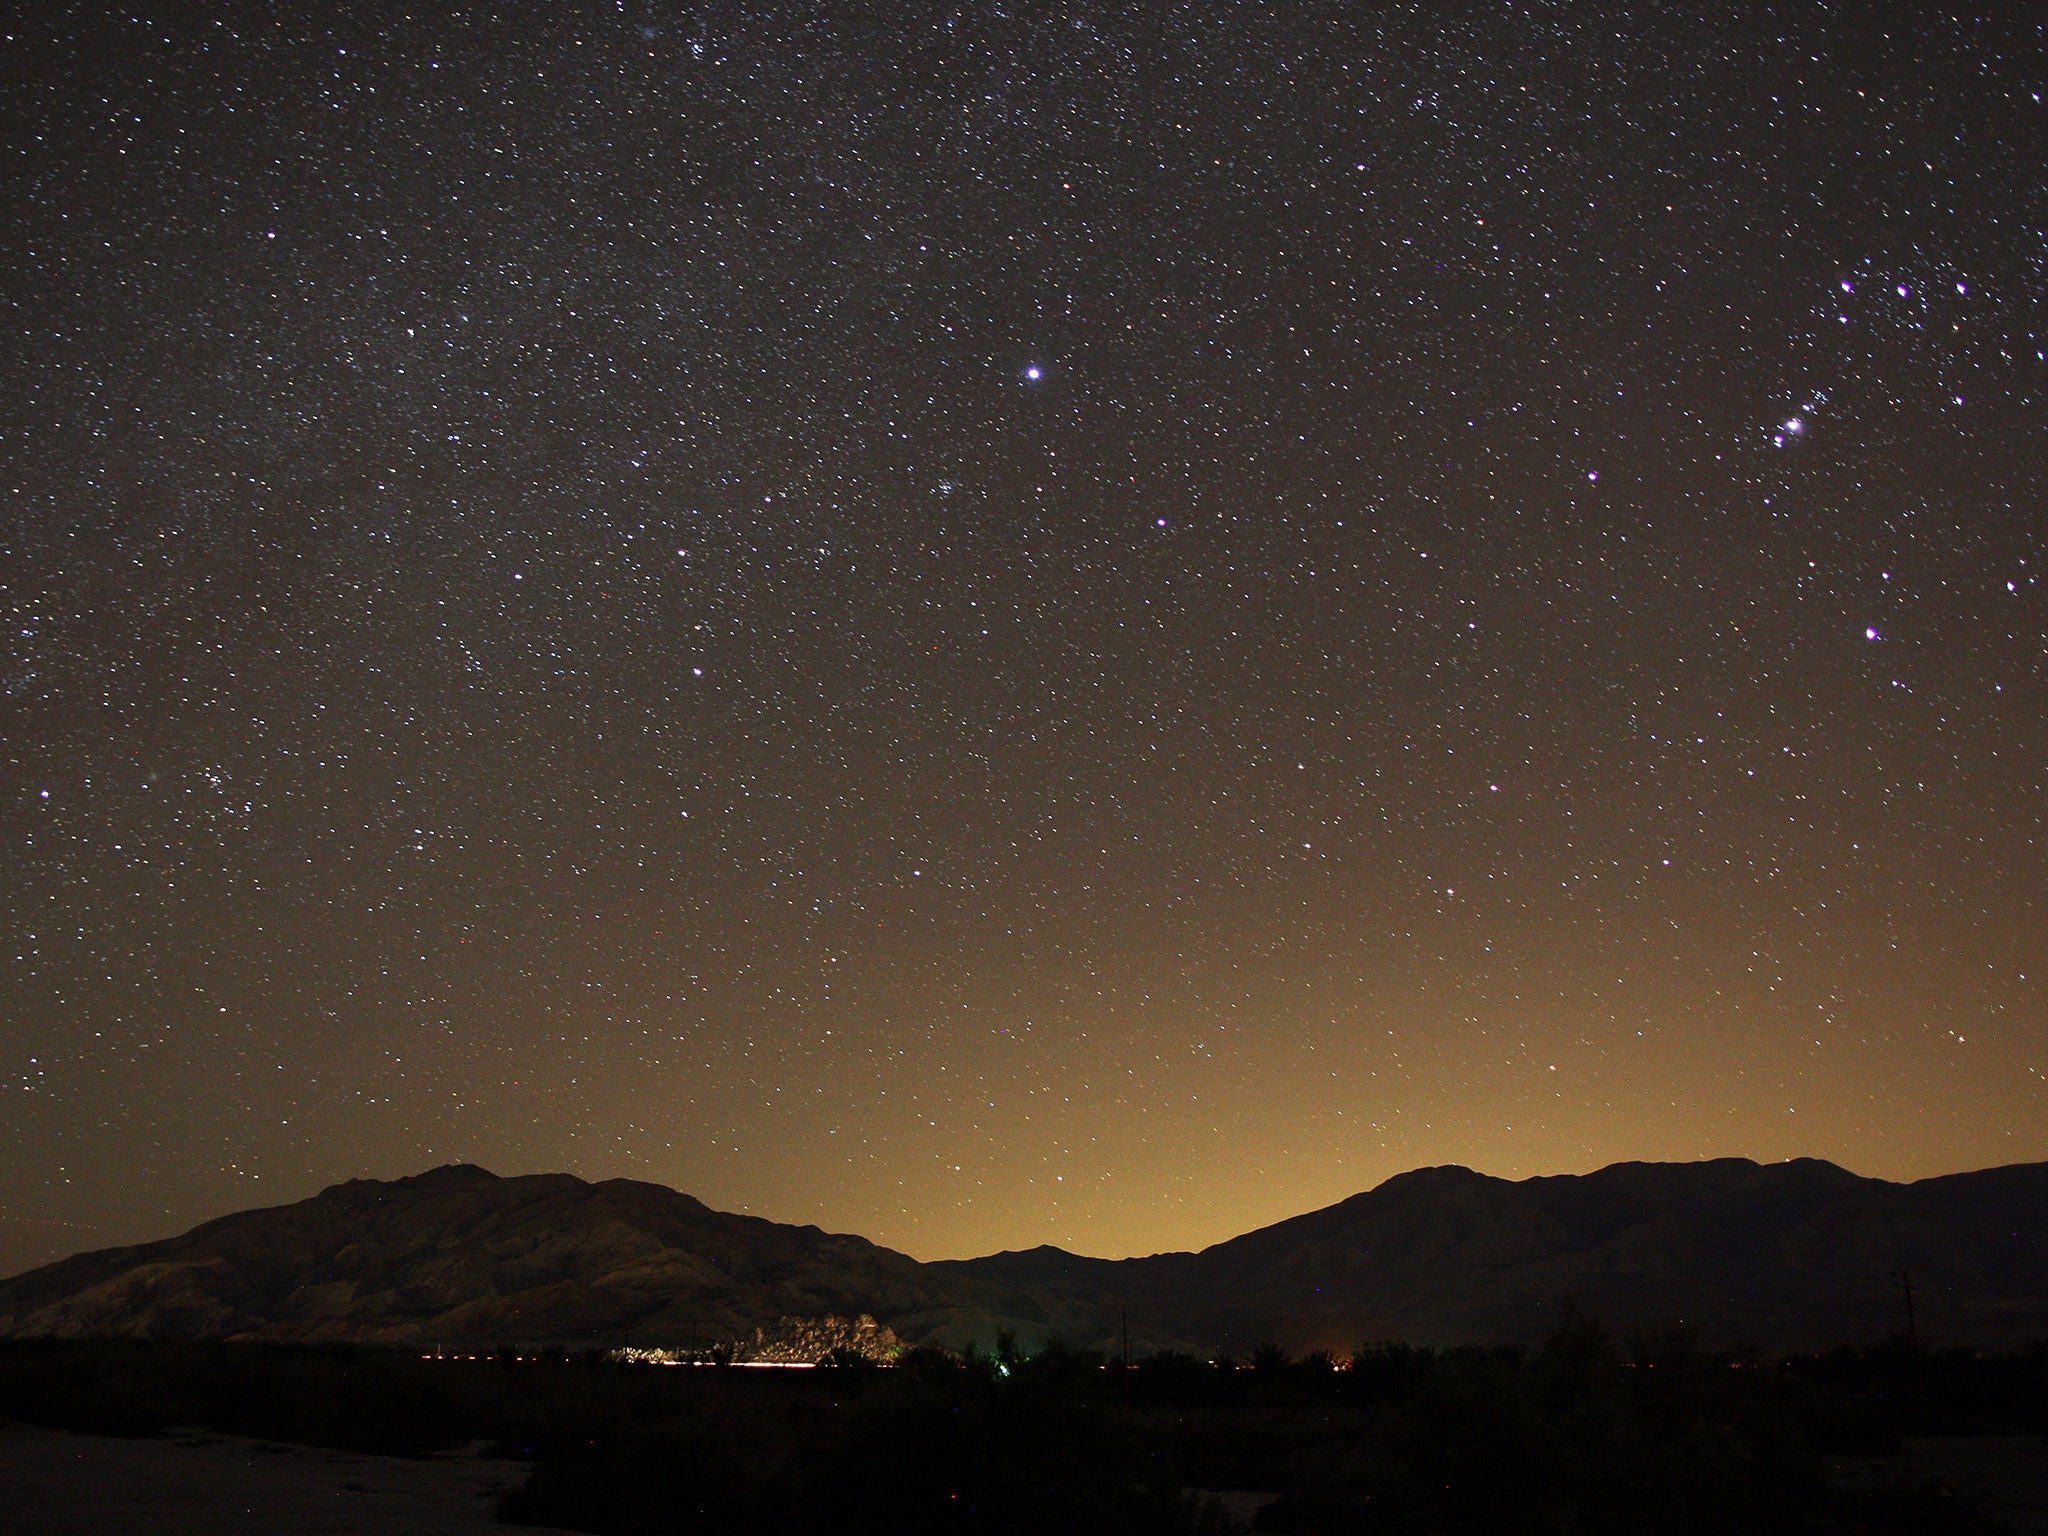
x,y
1127,1334
1904,1278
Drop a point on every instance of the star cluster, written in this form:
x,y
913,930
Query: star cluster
x,y
1005,624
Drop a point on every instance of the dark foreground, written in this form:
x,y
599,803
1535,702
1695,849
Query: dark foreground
x,y
57,1483
1580,1436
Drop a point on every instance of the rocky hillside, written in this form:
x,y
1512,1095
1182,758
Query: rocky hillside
x,y
459,1255
1787,1254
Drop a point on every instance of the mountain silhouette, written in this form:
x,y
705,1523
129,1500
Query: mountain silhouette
x,y
459,1255
1797,1254
1784,1255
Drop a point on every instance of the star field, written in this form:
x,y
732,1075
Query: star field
x,y
991,625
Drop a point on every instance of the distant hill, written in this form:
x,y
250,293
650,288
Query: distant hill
x,y
1799,1254
459,1255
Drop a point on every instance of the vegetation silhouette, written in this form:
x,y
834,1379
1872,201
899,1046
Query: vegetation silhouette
x,y
1585,1434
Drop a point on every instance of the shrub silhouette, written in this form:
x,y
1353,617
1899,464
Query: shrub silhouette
x,y
1581,1435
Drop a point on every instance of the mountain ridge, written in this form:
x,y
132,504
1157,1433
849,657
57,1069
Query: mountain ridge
x,y
1795,1254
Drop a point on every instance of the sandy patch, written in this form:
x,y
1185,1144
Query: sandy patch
x,y
54,1483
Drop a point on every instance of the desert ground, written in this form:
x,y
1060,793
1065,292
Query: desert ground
x,y
55,1483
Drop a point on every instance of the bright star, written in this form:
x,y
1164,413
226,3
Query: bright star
x,y
1032,372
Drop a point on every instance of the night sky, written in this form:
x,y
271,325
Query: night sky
x,y
1006,624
